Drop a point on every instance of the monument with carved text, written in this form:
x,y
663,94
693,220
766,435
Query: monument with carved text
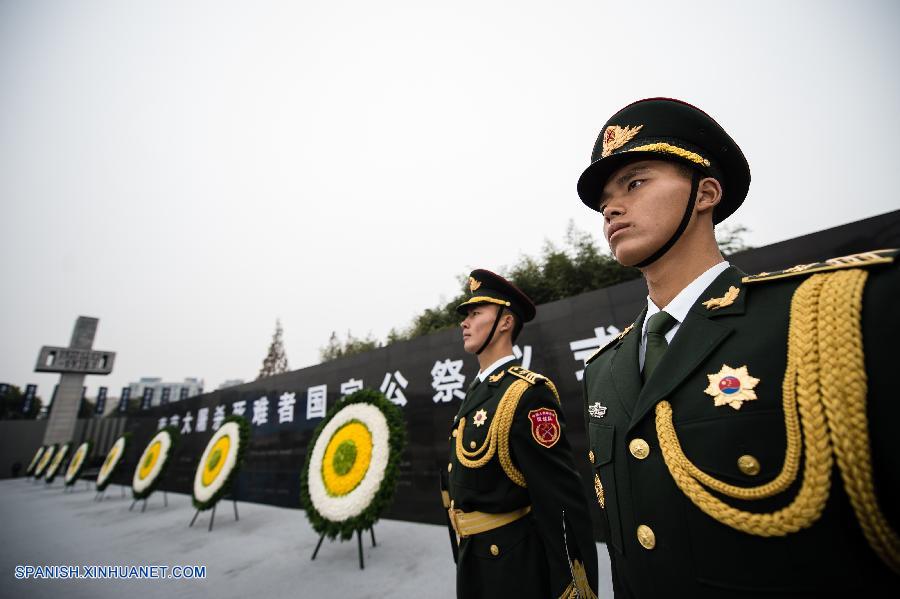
x,y
73,363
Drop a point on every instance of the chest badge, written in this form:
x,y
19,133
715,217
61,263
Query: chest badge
x,y
731,386
596,410
544,426
480,418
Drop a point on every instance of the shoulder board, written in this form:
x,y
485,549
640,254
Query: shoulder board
x,y
861,260
532,378
616,339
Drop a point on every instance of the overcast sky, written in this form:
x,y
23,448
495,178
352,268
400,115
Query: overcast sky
x,y
190,171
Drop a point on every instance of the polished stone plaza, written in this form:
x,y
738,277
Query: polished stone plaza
x,y
264,554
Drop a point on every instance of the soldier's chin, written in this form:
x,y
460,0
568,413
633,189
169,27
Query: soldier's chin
x,y
470,346
627,254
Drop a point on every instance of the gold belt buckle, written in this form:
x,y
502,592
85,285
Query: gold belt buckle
x,y
452,513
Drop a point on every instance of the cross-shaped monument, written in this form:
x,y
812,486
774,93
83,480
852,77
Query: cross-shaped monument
x,y
73,363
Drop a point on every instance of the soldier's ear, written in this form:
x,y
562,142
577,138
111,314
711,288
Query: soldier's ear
x,y
709,194
507,322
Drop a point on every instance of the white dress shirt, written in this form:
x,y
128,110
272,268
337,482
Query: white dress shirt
x,y
483,374
680,305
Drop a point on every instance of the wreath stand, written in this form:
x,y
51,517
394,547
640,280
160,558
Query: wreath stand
x,y
71,488
144,507
358,542
212,517
101,495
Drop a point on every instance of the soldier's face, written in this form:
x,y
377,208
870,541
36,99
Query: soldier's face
x,y
476,326
642,204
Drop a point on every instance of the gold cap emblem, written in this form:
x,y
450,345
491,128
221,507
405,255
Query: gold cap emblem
x,y
615,137
474,284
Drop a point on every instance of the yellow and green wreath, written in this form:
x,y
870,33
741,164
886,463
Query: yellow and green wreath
x,y
153,462
54,466
76,464
35,460
220,462
42,464
114,457
351,464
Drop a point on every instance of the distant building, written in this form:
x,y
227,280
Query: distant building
x,y
231,383
176,391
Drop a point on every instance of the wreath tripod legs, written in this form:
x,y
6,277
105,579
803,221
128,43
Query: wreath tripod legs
x,y
319,544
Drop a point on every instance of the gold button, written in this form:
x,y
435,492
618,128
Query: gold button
x,y
748,465
646,537
472,444
639,448
495,550
454,432
449,466
591,456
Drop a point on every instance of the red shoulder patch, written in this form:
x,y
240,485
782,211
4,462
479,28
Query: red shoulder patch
x,y
544,426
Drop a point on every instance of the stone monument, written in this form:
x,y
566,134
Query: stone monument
x,y
73,363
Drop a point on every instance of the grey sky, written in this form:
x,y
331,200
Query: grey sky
x,y
189,171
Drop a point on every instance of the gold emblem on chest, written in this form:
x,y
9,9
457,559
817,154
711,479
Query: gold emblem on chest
x,y
731,386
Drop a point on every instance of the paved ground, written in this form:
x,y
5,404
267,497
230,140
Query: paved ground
x,y
264,554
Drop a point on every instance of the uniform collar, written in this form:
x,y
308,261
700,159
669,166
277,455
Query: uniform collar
x,y
681,304
490,369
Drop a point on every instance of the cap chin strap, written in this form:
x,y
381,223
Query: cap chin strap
x,y
491,334
688,211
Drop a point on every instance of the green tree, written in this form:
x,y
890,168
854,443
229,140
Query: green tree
x,y
353,345
731,239
275,361
12,403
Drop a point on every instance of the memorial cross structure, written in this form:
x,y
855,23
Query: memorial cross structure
x,y
73,363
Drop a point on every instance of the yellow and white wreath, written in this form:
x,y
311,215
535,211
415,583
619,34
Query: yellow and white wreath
x,y
58,458
112,461
35,460
351,464
76,464
220,462
153,462
44,461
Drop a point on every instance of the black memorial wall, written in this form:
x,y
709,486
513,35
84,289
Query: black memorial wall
x,y
427,377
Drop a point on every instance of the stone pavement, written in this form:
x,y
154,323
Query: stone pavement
x,y
264,554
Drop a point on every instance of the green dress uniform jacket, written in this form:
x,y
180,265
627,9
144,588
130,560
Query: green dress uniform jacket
x,y
663,543
550,552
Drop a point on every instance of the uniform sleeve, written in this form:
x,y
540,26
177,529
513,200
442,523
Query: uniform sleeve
x,y
542,453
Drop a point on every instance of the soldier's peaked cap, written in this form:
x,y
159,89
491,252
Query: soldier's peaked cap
x,y
668,129
485,287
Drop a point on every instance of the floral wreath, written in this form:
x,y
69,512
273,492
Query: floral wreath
x,y
112,461
351,464
153,462
220,462
58,458
34,461
45,460
76,464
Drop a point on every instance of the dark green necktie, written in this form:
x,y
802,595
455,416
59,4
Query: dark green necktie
x,y
657,327
475,382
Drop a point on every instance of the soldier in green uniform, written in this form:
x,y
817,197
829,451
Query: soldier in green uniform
x,y
514,499
741,428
